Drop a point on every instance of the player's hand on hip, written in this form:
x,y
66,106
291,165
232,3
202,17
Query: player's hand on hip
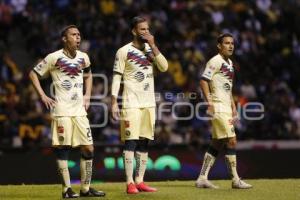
x,y
210,110
115,111
86,102
235,117
49,103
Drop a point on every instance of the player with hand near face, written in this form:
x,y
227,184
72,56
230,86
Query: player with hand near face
x,y
134,63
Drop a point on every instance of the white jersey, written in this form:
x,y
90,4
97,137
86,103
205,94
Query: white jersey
x,y
220,75
136,67
67,77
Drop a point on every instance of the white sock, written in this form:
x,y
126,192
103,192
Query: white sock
x,y
128,157
141,165
231,164
86,170
208,162
64,174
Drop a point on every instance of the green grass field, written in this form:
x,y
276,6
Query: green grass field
x,y
264,189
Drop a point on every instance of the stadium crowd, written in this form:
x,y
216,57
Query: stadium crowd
x,y
266,63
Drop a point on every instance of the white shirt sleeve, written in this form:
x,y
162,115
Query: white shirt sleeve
x,y
44,66
87,61
210,69
120,59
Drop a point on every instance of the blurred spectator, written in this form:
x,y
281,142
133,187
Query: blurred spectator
x,y
267,48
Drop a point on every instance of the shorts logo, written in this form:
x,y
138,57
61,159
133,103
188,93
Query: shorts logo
x,y
127,133
127,124
61,138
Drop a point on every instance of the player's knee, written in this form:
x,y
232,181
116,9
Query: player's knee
x,y
217,145
230,151
231,143
87,155
213,151
130,145
62,153
142,145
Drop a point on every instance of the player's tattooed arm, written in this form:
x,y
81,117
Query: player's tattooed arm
x,y
160,61
149,38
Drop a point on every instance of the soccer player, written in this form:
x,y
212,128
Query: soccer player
x,y
70,71
135,63
216,85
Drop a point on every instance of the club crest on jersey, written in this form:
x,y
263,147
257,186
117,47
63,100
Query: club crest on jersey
x,y
227,71
138,59
227,87
69,68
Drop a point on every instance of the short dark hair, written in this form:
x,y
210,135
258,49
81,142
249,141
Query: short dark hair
x,y
136,20
65,29
222,36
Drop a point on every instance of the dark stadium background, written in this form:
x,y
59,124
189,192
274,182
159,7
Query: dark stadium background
x,y
267,59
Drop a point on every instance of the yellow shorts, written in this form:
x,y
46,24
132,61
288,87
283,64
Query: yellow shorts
x,y
72,131
137,123
222,126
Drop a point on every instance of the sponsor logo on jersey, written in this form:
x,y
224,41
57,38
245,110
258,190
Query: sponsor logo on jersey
x,y
138,59
66,84
78,85
71,69
139,76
